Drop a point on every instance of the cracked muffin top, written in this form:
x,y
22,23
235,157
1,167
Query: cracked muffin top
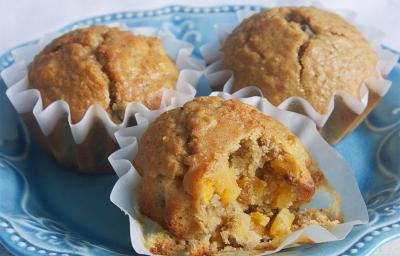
x,y
102,65
220,175
299,51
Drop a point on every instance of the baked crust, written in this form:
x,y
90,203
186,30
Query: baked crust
x,y
214,168
105,66
299,51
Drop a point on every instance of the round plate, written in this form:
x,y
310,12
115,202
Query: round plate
x,y
48,210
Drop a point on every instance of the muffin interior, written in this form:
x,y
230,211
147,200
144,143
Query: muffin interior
x,y
251,200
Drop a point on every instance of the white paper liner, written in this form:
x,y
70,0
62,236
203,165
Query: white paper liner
x,y
27,100
216,76
334,167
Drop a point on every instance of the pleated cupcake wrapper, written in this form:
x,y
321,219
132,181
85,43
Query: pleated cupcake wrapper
x,y
333,165
87,144
217,76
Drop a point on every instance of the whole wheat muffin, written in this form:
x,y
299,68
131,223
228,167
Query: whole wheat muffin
x,y
102,65
299,51
220,176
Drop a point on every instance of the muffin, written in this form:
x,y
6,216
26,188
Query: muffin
x,y
220,176
74,93
303,52
105,66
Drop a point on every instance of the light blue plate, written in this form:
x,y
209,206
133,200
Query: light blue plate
x,y
48,210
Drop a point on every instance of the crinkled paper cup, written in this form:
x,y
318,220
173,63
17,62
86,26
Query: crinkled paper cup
x,y
344,113
334,167
85,146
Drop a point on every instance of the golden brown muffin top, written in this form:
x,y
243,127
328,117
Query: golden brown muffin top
x,y
102,65
208,166
299,51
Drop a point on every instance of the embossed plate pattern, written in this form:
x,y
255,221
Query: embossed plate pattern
x,y
47,210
